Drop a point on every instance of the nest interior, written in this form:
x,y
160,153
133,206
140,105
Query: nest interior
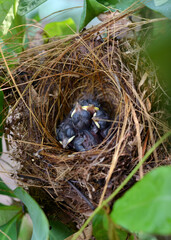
x,y
50,79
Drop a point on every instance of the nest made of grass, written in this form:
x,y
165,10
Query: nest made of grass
x,y
50,79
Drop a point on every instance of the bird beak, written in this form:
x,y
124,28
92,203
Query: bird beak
x,y
90,108
95,120
78,107
97,124
66,141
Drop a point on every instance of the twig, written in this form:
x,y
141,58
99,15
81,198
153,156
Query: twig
x,y
116,154
81,195
139,145
105,202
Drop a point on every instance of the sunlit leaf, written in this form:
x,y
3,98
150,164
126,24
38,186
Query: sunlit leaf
x,y
13,40
40,222
26,228
146,207
145,236
5,7
63,28
12,30
26,6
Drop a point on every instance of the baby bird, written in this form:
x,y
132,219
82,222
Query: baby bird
x,y
66,132
81,118
86,126
84,141
100,119
90,105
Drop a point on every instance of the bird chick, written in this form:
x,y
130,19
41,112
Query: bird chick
x,y
84,141
100,119
81,118
90,105
65,133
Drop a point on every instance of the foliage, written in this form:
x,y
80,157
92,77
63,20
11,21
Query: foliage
x,y
146,207
161,6
117,4
63,28
11,25
106,201
104,228
13,216
58,230
12,20
25,6
91,9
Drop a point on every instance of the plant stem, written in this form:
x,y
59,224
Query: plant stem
x,y
76,235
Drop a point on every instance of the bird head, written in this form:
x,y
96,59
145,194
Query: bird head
x,y
100,119
90,108
81,118
65,133
77,109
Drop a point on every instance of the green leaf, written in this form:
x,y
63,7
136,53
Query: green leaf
x,y
161,6
159,49
26,6
145,236
9,8
13,40
4,190
122,4
26,228
103,227
123,235
91,9
40,222
5,7
146,207
10,229
12,30
58,230
60,28
118,4
100,226
8,212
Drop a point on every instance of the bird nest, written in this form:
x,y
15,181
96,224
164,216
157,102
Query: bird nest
x,y
98,64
